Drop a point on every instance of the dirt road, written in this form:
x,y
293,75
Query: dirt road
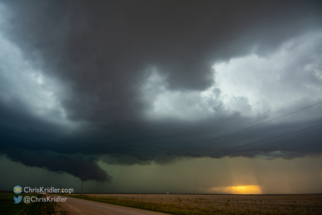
x,y
85,207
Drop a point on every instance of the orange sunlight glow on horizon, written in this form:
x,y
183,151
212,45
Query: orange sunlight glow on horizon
x,y
240,189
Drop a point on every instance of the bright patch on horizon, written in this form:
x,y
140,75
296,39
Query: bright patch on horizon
x,y
241,189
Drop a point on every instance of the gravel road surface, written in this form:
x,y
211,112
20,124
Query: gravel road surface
x,y
85,207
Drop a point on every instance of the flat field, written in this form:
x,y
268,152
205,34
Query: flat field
x,y
215,204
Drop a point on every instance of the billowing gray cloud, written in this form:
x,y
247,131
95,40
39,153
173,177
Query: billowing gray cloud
x,y
136,81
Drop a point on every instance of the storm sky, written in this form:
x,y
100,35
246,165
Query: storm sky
x,y
103,91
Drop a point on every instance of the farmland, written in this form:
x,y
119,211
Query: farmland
x,y
215,204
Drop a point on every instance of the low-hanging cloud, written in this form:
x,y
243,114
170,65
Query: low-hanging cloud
x,y
135,82
84,167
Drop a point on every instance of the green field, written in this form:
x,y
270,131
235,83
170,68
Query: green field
x,y
8,207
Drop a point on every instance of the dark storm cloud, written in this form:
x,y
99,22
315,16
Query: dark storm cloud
x,y
84,167
102,53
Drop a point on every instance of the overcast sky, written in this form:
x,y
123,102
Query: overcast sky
x,y
98,90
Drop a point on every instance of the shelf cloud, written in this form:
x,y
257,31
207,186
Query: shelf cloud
x,y
135,82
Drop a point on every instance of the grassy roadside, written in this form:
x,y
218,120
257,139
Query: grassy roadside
x,y
172,208
215,204
138,204
8,207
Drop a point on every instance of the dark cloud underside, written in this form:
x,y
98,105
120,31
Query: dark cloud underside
x,y
103,54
